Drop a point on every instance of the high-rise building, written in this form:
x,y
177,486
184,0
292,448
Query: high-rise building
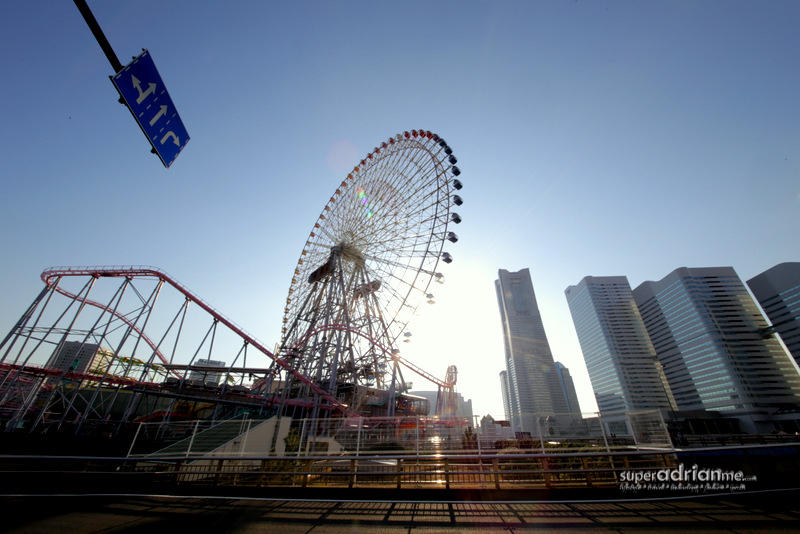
x,y
708,333
75,356
464,409
778,291
568,387
504,392
622,363
532,384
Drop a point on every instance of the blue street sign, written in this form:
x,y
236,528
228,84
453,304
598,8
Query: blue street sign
x,y
140,85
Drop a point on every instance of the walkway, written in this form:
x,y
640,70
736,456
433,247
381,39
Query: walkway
x,y
738,513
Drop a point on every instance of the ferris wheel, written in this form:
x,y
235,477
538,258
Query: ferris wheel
x,y
369,261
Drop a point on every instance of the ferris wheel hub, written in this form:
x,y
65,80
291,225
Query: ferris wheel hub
x,y
348,250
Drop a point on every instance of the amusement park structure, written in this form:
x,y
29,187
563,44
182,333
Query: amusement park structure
x,y
101,349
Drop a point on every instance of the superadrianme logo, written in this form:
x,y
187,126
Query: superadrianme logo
x,y
694,479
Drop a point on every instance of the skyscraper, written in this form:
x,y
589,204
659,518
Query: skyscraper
x,y
778,291
622,363
504,392
568,387
708,333
531,383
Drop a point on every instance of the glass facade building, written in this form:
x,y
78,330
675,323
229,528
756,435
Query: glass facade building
x,y
531,385
622,362
568,387
778,291
708,333
504,392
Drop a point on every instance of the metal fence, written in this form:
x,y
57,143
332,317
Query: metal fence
x,y
400,435
499,471
576,470
764,467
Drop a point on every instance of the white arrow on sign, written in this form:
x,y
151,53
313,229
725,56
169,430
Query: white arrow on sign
x,y
138,85
174,137
161,112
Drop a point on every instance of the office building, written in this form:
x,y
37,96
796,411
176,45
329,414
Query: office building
x,y
532,387
504,393
568,388
464,409
76,356
778,291
708,333
623,366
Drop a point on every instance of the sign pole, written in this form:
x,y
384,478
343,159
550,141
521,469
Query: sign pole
x,y
88,16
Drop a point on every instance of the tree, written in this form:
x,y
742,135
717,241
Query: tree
x,y
292,440
469,440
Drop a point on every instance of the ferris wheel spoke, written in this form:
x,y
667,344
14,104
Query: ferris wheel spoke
x,y
396,282
409,249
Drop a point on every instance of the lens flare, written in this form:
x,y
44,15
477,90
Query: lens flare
x,y
362,196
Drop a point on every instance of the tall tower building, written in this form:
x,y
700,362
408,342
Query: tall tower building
x,y
622,362
532,384
708,333
568,387
504,392
778,291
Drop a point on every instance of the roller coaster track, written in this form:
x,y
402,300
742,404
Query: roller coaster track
x,y
51,276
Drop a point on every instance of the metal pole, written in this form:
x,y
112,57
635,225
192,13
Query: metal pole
x,y
15,332
416,445
191,441
243,446
603,430
302,436
358,435
88,16
541,439
133,441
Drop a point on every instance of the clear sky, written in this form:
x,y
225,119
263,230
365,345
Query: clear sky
x,y
594,138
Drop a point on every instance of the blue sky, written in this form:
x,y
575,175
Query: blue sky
x,y
594,138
